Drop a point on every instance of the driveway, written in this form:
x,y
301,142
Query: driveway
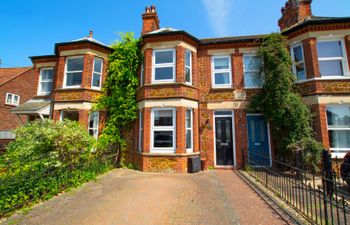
x,y
130,197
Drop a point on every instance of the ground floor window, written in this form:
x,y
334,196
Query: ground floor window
x,y
140,131
93,124
338,121
189,127
70,115
163,130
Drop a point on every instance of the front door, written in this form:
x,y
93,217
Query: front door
x,y
258,141
224,145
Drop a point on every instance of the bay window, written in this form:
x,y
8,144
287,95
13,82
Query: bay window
x,y
97,73
163,130
163,65
74,71
252,66
298,62
188,67
45,81
189,130
93,124
331,58
338,121
221,72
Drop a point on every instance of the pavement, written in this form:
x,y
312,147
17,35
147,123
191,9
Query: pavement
x,y
125,196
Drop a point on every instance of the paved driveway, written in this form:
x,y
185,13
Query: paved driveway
x,y
131,197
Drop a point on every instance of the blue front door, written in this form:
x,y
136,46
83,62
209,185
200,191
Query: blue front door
x,y
258,141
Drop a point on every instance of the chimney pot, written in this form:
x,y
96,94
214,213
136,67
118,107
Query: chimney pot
x,y
91,33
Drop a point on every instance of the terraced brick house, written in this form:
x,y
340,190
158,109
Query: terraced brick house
x,y
193,93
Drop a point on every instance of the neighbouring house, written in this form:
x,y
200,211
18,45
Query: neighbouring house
x,y
68,82
16,87
193,93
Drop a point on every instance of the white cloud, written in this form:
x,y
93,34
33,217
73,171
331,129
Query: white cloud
x,y
218,13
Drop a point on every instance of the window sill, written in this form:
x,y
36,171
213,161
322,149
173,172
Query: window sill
x,y
339,155
325,78
11,105
169,154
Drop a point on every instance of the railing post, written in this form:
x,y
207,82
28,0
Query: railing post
x,y
325,158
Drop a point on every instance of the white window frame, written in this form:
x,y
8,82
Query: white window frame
x,y
12,99
343,59
99,73
154,65
75,71
295,64
214,71
251,71
189,150
140,130
170,150
336,152
188,67
142,74
94,128
47,81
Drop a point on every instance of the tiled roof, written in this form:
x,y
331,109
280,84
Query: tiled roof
x,y
230,39
163,30
90,39
7,74
31,106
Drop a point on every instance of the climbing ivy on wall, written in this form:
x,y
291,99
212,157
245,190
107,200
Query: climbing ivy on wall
x,y
290,119
119,94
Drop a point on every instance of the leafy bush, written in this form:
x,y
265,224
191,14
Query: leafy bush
x,y
46,158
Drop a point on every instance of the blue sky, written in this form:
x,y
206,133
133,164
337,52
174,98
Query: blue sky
x,y
30,28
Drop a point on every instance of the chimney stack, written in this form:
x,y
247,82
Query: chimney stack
x,y
150,21
293,12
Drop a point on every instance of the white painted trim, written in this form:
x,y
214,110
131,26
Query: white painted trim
x,y
228,105
65,72
268,133
99,73
40,80
326,99
162,65
168,44
12,99
233,138
47,64
190,67
189,150
302,62
140,131
72,106
161,103
173,129
98,123
214,71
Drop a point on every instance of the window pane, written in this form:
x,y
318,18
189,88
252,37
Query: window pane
x,y
221,63
188,139
74,79
98,65
188,59
164,73
300,70
253,80
46,75
188,75
71,115
93,120
9,99
331,68
46,87
15,100
96,80
252,63
188,119
75,64
222,78
298,54
338,117
163,139
339,138
164,57
329,49
163,118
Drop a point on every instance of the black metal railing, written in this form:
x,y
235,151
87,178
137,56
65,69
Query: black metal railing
x,y
320,197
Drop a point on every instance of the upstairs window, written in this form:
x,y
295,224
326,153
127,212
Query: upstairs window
x,y
298,62
188,67
74,71
97,73
253,77
142,74
93,124
338,121
12,99
164,65
331,58
221,72
45,81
